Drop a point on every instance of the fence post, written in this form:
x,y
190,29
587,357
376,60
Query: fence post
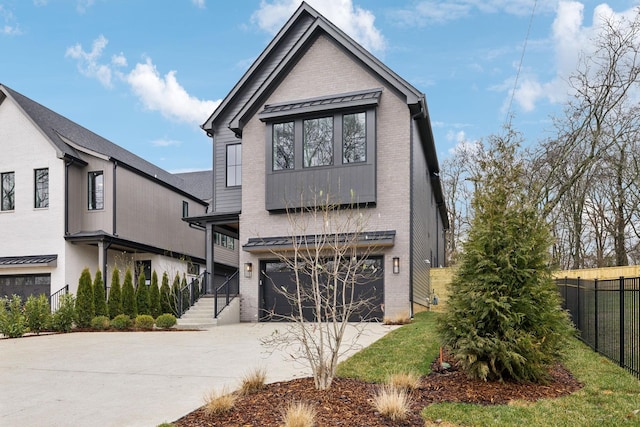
x,y
622,363
578,321
595,313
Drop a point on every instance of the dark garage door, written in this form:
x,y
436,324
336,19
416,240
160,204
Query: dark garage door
x,y
25,285
276,276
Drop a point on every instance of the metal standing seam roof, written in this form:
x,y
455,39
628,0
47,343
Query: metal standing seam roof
x,y
29,260
369,97
367,238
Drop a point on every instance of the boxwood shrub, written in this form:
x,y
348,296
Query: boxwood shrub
x,y
121,322
166,321
144,321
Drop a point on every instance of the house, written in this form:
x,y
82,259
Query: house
x,y
71,199
281,135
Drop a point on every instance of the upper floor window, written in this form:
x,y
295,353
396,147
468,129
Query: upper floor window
x,y
283,146
354,138
41,188
223,240
8,195
96,190
234,165
185,209
317,144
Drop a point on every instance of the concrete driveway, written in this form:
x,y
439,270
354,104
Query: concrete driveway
x,y
134,378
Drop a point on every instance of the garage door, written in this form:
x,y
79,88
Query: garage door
x,y
25,285
277,279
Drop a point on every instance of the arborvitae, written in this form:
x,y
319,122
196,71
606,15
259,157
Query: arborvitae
x,y
115,295
186,303
129,296
176,299
165,295
143,302
503,317
99,300
154,296
84,300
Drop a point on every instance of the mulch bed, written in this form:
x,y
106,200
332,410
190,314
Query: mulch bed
x,y
348,401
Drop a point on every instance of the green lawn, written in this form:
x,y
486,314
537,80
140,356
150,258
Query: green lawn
x,y
610,397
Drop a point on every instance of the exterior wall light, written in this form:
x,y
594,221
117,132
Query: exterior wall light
x,y
248,270
396,265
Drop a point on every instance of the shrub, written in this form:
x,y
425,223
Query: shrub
x,y
299,414
404,380
62,320
12,320
128,296
219,402
154,296
185,294
99,299
143,301
37,313
121,322
174,298
392,402
165,295
85,310
253,381
100,323
166,321
144,321
115,294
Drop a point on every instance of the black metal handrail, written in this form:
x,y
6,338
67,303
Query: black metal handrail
x,y
192,291
230,288
54,299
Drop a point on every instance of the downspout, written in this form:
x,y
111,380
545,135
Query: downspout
x,y
66,195
115,198
106,247
414,117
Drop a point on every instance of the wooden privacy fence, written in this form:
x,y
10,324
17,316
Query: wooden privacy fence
x,y
607,315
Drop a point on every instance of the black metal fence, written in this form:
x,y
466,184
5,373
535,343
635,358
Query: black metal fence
x,y
54,299
225,293
607,314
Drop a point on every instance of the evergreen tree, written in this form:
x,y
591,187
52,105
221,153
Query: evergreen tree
x,y
504,318
143,301
129,296
185,297
99,299
115,295
154,296
176,298
165,295
85,310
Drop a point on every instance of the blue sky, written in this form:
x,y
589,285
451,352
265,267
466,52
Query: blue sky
x,y
146,73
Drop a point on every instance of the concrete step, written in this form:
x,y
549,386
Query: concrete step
x,y
201,315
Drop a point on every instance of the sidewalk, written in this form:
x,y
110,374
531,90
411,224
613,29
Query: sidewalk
x,y
134,378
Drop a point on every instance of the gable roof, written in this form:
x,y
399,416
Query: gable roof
x,y
70,139
273,64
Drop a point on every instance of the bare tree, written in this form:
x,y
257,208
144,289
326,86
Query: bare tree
x,y
331,265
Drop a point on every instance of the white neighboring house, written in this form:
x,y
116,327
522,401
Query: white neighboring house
x,y
71,199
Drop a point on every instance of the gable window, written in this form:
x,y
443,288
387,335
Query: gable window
x,y
41,188
234,165
96,190
283,146
185,209
354,138
8,195
317,142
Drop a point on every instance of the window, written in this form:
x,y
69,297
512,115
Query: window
x,y
354,138
185,209
143,267
193,269
8,182
225,241
41,188
283,140
96,190
234,165
318,142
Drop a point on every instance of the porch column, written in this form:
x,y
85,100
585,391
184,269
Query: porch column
x,y
209,255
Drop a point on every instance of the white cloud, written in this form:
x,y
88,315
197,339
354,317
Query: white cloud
x,y
10,27
83,5
201,4
88,61
357,22
164,142
167,96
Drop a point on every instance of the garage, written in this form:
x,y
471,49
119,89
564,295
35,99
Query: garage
x,y
25,285
277,279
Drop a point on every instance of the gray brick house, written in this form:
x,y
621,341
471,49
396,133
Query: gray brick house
x,y
313,79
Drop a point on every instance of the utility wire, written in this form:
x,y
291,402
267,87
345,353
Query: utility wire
x,y
515,83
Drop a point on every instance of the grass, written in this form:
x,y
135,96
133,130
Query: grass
x,y
392,402
610,396
299,414
219,402
253,382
